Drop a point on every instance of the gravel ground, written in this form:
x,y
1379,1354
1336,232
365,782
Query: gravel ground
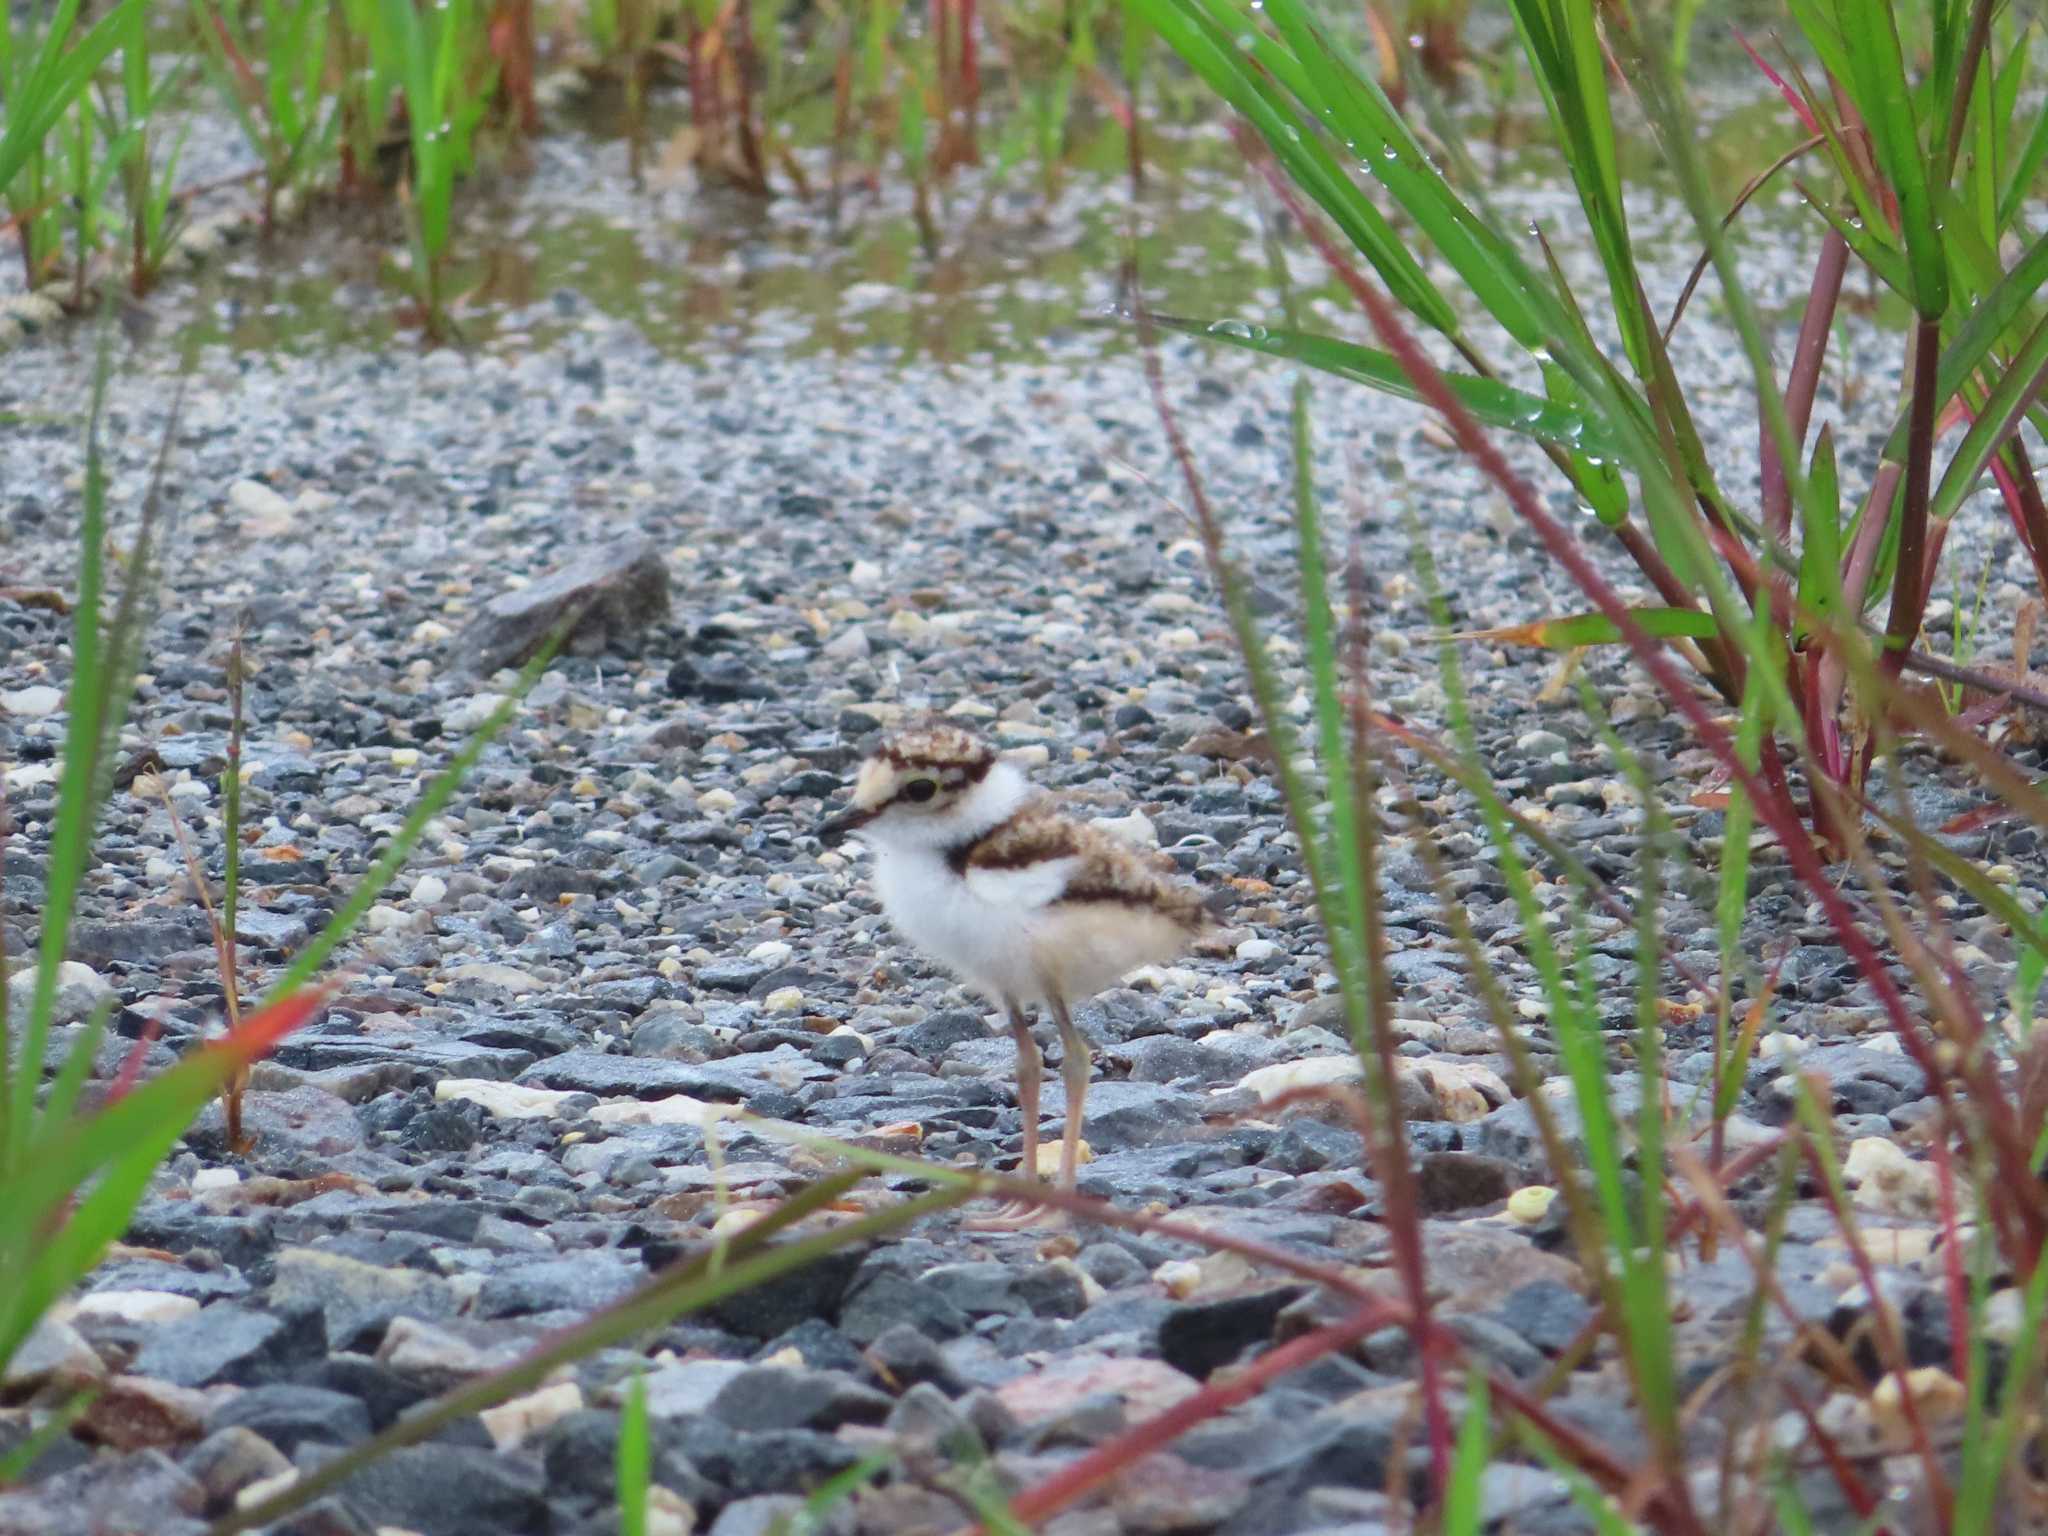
x,y
500,1122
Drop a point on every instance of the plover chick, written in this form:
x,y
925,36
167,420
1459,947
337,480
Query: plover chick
x,y
989,877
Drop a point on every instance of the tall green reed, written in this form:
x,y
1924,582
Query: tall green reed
x,y
1924,176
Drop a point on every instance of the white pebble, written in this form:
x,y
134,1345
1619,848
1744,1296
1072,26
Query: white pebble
x,y
772,952
784,1000
1257,949
471,712
429,890
137,1306
252,498
34,702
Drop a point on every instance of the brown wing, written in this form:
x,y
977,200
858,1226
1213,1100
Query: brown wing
x,y
1110,869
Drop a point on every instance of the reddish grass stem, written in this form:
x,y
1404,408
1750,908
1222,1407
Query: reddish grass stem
x,y
1909,580
1771,804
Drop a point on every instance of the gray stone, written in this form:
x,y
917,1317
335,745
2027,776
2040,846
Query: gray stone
x,y
1547,1314
356,1301
771,1514
887,1299
287,1415
450,1490
674,1038
1126,1114
1458,1181
229,1460
1201,1336
271,930
556,1285
141,940
773,1397
223,1342
610,597
935,1032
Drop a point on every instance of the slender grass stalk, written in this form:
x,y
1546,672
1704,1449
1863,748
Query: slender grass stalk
x,y
633,1460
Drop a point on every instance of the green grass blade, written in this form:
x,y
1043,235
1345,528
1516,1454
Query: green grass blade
x,y
1884,98
121,1148
1464,1513
1566,423
2018,387
633,1460
1214,56
428,806
680,1290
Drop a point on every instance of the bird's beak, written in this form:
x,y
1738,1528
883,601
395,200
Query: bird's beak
x,y
835,829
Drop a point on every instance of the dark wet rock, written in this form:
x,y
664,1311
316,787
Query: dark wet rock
x,y
777,1305
903,1356
580,1453
412,1487
1863,1081
618,591
1456,1181
1200,1336
286,1415
887,1299
731,975
223,1342
774,1397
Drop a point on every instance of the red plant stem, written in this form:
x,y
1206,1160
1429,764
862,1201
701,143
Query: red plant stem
x,y
1807,356
1858,1493
1078,1479
2022,493
1397,1175
1966,82
1775,811
131,1065
1792,97
1891,1346
1952,1262
1909,581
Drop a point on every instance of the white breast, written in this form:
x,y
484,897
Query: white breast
x,y
983,929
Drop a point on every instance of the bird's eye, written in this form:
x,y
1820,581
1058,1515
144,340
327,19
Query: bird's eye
x,y
920,790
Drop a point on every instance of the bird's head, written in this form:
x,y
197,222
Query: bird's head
x,y
921,784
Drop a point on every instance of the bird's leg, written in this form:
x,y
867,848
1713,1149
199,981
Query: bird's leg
x,y
1030,1073
1074,1075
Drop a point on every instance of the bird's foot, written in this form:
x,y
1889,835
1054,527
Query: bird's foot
x,y
1018,1216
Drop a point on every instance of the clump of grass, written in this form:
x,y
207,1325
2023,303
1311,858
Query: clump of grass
x,y
74,1173
273,70
1925,186
1775,624
46,71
